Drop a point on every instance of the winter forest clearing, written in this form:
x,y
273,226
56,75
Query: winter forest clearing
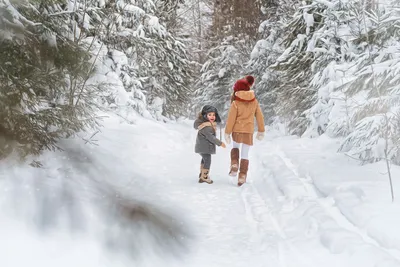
x,y
101,139
304,205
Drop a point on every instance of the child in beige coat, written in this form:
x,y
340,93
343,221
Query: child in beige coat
x,y
240,124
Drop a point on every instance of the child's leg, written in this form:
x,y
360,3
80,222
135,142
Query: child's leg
x,y
206,168
235,145
206,160
244,164
245,151
234,159
201,166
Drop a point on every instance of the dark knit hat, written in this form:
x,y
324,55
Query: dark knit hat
x,y
244,84
207,109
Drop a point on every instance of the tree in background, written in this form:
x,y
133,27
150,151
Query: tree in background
x,y
157,68
375,86
266,52
231,36
43,74
295,67
73,58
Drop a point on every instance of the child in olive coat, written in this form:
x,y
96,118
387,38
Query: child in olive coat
x,y
206,140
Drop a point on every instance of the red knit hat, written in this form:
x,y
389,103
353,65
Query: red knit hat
x,y
243,84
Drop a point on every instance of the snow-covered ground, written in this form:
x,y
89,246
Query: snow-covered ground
x,y
305,204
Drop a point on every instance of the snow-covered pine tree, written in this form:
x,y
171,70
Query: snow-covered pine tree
x,y
295,66
167,12
334,55
219,74
231,38
156,58
317,58
166,71
43,74
333,103
196,20
267,50
375,86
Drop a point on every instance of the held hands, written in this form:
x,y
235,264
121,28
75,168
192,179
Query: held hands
x,y
260,136
223,145
228,138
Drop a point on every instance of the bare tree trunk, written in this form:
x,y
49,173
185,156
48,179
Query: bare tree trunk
x,y
387,160
199,33
236,17
371,5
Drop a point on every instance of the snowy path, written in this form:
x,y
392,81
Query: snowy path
x,y
280,218
301,205
228,228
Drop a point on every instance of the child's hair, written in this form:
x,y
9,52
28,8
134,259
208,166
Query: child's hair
x,y
233,97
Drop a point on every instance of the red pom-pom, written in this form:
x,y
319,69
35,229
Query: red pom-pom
x,y
250,79
244,84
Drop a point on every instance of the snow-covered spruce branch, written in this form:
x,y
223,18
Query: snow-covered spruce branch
x,y
96,57
88,75
375,87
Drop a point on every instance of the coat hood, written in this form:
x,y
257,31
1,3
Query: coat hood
x,y
245,96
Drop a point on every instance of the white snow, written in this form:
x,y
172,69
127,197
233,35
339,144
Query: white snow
x,y
259,49
309,20
221,73
304,205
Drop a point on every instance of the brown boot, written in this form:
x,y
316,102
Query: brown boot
x,y
244,167
234,162
205,177
201,167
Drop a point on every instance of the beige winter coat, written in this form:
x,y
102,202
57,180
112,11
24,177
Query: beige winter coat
x,y
242,112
